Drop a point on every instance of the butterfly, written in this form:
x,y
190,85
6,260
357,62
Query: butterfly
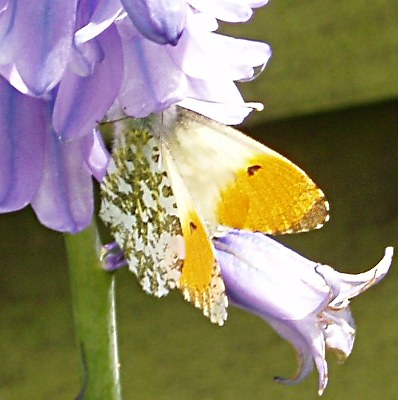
x,y
176,178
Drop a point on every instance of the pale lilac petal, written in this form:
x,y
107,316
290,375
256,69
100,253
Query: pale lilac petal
x,y
339,331
161,21
85,58
41,59
257,3
7,23
228,114
104,15
10,73
126,28
316,339
64,201
227,10
351,285
151,81
218,99
95,154
290,333
22,129
262,274
3,5
203,54
309,342
83,101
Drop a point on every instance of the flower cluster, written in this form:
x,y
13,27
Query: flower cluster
x,y
65,64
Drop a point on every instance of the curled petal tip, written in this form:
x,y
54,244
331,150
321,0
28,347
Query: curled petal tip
x,y
389,252
323,380
255,106
384,264
321,389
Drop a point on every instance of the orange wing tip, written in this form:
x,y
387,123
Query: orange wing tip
x,y
325,208
318,212
272,195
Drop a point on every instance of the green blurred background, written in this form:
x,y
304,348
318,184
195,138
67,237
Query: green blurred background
x,y
330,93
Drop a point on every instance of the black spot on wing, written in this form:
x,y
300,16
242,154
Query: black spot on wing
x,y
192,226
253,169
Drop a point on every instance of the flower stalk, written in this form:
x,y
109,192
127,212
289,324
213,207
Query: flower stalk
x,y
93,298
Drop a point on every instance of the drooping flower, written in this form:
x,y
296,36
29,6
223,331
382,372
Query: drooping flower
x,y
65,65
306,302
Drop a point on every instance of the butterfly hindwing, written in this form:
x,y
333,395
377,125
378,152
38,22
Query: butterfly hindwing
x,y
155,222
240,183
139,207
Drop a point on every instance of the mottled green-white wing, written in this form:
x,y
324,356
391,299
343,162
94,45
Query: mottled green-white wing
x,y
140,210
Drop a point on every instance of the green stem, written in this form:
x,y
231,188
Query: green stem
x,y
93,297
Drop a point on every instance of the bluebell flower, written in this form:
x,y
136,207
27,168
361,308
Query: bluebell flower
x,y
306,302
65,64
37,168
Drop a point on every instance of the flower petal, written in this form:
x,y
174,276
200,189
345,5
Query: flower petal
x,y
161,21
151,80
22,128
268,279
95,154
352,285
309,342
40,57
203,54
85,58
217,99
10,73
227,10
103,16
64,201
7,22
339,331
83,101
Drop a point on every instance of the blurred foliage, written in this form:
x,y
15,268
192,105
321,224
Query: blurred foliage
x,y
326,54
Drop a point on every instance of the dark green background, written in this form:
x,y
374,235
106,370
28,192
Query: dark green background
x,y
168,350
326,54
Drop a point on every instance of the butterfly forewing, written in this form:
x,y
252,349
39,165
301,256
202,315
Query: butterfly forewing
x,y
238,182
139,207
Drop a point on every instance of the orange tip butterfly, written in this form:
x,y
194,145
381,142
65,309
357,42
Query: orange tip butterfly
x,y
175,178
